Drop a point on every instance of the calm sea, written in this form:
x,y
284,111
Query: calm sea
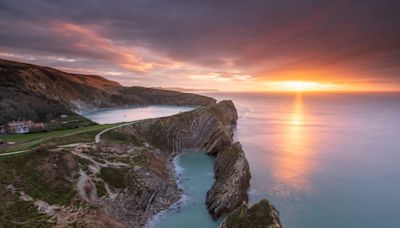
x,y
324,160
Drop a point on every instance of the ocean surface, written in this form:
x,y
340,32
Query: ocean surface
x,y
324,160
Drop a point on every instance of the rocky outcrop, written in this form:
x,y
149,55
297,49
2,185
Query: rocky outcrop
x,y
232,180
262,214
42,93
209,128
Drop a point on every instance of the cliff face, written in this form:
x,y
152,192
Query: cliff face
x,y
39,93
232,179
209,128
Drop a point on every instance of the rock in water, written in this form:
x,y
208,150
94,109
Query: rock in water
x,y
261,215
232,179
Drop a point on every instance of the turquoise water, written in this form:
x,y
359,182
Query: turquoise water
x,y
195,171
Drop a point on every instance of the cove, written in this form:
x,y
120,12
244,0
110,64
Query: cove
x,y
195,177
126,114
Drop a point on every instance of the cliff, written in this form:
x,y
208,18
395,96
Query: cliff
x,y
232,176
262,214
208,128
41,93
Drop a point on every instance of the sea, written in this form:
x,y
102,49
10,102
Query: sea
x,y
323,159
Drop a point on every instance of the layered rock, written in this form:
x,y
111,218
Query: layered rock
x,y
232,180
208,128
261,215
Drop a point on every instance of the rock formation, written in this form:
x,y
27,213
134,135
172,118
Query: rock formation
x,y
261,215
209,128
232,179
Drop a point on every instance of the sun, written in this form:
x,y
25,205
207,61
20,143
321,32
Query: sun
x,y
299,86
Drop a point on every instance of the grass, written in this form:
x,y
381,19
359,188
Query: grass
x,y
101,189
70,122
17,213
26,173
113,176
68,136
54,134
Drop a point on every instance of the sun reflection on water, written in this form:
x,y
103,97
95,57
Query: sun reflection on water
x,y
294,163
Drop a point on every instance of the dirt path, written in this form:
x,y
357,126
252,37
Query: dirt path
x,y
97,137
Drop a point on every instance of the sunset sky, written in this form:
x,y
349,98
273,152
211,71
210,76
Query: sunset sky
x,y
226,45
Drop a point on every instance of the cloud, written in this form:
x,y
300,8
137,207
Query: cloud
x,y
89,41
157,41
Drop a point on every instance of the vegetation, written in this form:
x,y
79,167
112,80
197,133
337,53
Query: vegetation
x,y
61,137
113,176
36,175
101,189
70,122
17,213
116,136
258,216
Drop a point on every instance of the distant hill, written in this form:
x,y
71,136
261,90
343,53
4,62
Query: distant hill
x,y
42,93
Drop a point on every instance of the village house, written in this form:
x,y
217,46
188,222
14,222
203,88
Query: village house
x,y
25,126
2,130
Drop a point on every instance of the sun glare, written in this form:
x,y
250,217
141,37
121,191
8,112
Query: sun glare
x,y
299,86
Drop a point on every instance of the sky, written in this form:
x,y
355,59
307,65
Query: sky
x,y
211,44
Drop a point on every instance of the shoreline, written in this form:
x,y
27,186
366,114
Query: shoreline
x,y
91,111
194,180
152,222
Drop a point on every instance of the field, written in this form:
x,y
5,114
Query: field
x,y
60,137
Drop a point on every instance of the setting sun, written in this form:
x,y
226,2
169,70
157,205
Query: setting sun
x,y
299,86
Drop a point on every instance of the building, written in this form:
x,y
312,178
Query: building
x,y
37,127
21,127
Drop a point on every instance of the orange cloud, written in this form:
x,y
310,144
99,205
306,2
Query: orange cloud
x,y
88,40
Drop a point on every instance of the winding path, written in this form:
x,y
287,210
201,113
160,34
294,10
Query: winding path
x,y
96,140
97,137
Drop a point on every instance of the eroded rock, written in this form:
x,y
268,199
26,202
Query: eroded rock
x,y
261,215
232,180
